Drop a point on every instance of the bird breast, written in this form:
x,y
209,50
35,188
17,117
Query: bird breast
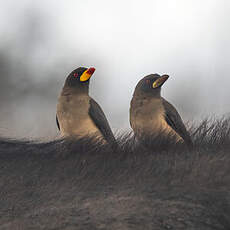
x,y
73,116
146,114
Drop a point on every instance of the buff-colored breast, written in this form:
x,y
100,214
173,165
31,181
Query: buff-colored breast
x,y
73,116
147,115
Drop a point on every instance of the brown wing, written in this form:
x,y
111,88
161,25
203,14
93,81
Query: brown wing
x,y
99,119
57,122
173,119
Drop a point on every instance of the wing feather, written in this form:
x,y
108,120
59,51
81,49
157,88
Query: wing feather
x,y
173,119
57,122
99,119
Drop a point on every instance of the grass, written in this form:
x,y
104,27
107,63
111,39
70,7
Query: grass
x,y
147,184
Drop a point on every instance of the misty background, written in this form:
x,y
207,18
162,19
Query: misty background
x,y
42,41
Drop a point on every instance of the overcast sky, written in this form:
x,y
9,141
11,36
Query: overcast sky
x,y
42,41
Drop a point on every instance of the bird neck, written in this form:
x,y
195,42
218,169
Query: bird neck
x,y
152,94
82,90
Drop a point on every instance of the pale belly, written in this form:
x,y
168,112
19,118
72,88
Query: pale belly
x,y
74,119
148,119
151,125
74,127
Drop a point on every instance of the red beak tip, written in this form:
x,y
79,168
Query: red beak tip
x,y
91,70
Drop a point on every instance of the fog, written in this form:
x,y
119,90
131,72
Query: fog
x,y
42,41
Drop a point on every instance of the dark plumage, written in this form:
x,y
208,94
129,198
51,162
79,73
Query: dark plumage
x,y
78,114
99,119
173,119
151,114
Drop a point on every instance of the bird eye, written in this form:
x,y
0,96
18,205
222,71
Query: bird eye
x,y
147,81
75,75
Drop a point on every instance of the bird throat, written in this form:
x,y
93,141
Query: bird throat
x,y
147,114
75,90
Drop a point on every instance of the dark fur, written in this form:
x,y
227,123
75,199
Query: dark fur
x,y
150,184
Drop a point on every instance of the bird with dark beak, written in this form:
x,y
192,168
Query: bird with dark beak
x,y
79,115
151,114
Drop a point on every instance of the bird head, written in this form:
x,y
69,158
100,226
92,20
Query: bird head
x,y
151,84
79,78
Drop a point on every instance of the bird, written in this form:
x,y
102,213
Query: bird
x,y
151,114
79,115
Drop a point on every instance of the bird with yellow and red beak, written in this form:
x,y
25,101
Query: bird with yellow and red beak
x,y
151,114
79,115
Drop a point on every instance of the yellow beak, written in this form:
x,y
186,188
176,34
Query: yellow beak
x,y
87,74
160,81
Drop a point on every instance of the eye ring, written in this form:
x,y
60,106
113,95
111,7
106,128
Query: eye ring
x,y
75,75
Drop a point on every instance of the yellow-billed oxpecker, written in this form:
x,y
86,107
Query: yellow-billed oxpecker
x,y
79,115
151,114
